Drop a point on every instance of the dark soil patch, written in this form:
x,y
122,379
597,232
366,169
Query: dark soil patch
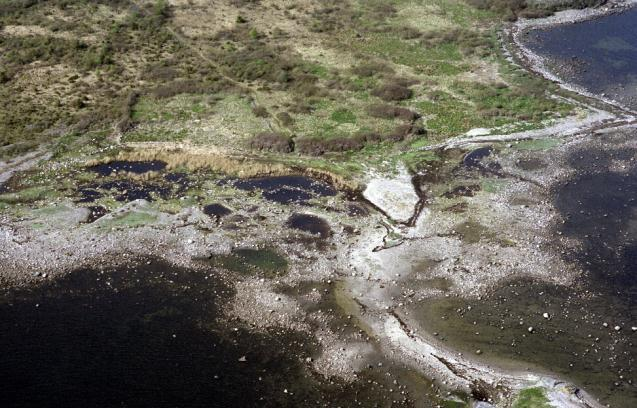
x,y
462,191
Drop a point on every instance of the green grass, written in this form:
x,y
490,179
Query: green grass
x,y
532,398
343,116
441,59
28,195
132,219
155,135
492,185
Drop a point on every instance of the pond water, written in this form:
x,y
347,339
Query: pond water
x,y
310,223
600,54
287,189
136,167
216,210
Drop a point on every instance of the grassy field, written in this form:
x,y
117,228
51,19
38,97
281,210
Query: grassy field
x,y
339,85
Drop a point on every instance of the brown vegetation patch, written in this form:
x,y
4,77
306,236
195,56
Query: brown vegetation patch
x,y
273,142
393,92
391,112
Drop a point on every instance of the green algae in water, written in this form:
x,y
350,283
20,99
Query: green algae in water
x,y
572,343
266,261
532,398
537,144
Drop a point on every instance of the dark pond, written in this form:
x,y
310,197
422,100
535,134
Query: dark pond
x,y
153,336
474,157
477,160
137,167
124,190
310,223
287,189
216,210
600,54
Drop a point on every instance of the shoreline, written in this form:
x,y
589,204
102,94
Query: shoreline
x,y
536,63
423,349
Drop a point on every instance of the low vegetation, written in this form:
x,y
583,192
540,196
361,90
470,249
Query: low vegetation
x,y
345,82
531,398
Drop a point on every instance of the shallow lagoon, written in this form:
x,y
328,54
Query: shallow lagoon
x,y
600,55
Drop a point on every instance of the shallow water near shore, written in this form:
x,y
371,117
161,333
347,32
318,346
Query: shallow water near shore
x,y
600,54
154,335
584,332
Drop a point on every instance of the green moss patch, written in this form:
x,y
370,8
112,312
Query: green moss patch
x,y
266,262
532,398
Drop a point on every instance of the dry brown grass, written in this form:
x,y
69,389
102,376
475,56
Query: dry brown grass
x,y
196,158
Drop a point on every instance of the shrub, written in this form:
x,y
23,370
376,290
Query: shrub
x,y
185,87
369,69
393,92
260,112
310,146
273,142
285,119
405,132
369,137
317,147
4,76
391,112
125,122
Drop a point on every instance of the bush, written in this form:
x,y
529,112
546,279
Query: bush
x,y
125,122
369,137
391,112
317,147
4,76
393,92
405,132
285,119
260,112
369,69
184,87
273,142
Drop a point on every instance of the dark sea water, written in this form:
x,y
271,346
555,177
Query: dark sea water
x,y
153,335
599,54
